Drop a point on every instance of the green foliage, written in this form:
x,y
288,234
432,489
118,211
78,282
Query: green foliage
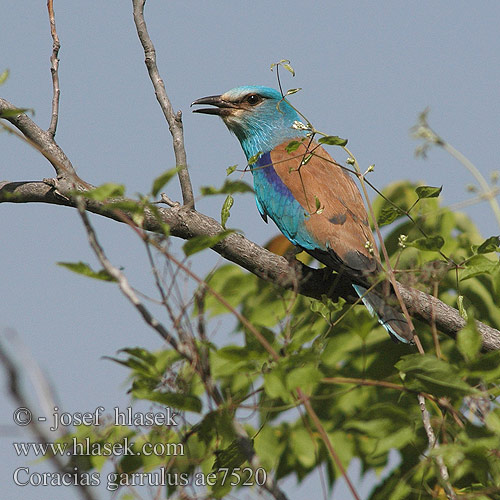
x,y
4,75
362,387
229,187
199,243
163,180
104,192
428,192
332,140
225,211
86,270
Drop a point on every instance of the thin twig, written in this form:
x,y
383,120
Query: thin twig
x,y
124,285
317,422
54,69
433,443
390,271
174,120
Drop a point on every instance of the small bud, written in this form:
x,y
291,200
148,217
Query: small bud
x,y
369,247
402,240
350,160
371,168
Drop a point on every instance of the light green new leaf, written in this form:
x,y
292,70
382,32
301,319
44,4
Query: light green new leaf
x,y
428,192
104,191
163,179
86,270
254,158
231,169
8,113
303,447
3,76
304,377
274,385
469,340
478,264
226,210
333,140
199,243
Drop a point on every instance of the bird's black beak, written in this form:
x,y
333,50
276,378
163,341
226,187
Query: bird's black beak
x,y
221,106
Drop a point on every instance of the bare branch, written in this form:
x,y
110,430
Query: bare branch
x,y
174,119
125,286
54,61
235,247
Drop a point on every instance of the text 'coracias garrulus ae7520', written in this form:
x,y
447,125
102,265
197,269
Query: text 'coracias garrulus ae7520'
x,y
313,201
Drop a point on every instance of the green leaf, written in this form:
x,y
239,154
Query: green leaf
x,y
254,158
86,270
274,385
229,187
469,340
7,113
292,146
163,179
306,159
388,214
428,192
492,244
185,402
230,457
430,243
231,169
305,377
317,204
104,191
199,243
4,76
303,447
426,373
461,308
226,210
333,140
131,206
289,68
476,265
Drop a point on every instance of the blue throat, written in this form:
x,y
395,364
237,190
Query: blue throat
x,y
267,126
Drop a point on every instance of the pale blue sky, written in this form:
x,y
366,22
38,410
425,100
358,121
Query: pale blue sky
x,y
366,68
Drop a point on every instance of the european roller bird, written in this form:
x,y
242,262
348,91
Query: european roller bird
x,y
313,201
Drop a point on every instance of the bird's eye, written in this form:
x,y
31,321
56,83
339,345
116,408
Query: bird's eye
x,y
253,99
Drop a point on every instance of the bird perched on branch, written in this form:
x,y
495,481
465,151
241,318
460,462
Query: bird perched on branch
x,y
313,201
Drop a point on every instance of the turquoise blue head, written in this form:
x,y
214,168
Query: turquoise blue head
x,y
259,117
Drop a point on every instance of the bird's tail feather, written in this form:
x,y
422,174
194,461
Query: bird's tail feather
x,y
390,317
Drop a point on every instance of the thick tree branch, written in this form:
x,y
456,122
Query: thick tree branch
x,y
186,223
